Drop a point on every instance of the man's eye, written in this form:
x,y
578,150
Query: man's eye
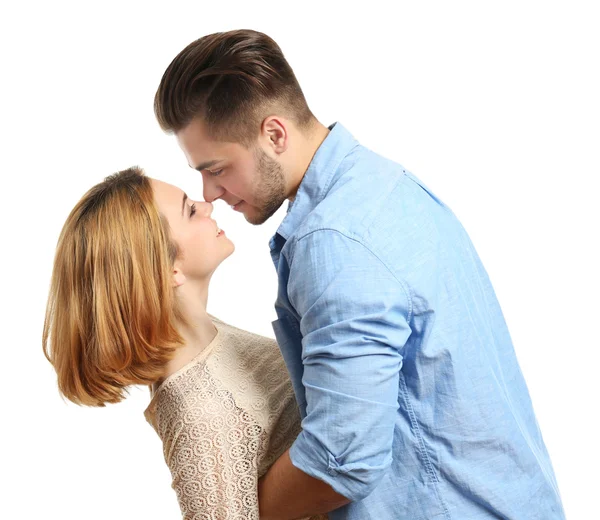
x,y
192,209
216,173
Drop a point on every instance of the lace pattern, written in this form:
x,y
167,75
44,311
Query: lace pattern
x,y
223,419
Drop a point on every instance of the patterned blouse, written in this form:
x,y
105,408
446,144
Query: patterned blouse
x,y
223,419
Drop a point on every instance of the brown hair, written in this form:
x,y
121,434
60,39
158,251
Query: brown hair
x,y
231,80
111,314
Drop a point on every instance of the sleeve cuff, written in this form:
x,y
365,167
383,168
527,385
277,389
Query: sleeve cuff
x,y
353,480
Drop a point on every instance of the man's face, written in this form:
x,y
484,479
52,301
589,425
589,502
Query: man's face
x,y
247,179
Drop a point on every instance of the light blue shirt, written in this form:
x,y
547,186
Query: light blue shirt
x,y
413,403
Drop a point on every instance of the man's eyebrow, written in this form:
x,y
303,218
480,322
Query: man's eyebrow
x,y
183,202
205,165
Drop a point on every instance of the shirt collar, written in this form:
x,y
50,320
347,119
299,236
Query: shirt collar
x,y
318,179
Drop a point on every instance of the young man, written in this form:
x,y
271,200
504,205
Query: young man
x,y
412,400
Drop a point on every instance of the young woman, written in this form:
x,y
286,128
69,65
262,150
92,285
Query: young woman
x,y
127,306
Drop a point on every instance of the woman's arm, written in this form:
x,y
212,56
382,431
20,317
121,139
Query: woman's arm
x,y
211,451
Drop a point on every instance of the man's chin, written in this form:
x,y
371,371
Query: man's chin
x,y
256,218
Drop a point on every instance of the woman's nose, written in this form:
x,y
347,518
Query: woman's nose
x,y
207,209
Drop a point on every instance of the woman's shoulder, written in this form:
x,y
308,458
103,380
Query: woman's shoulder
x,y
178,395
236,334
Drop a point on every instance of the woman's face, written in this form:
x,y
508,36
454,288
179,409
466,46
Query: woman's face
x,y
202,246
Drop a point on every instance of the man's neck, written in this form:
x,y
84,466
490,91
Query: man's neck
x,y
311,144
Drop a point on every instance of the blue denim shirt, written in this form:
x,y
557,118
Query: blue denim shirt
x,y
413,403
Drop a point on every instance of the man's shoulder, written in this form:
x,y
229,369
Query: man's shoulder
x,y
361,180
393,216
363,203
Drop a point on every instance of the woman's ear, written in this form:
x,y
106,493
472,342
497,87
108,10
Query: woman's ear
x,y
178,277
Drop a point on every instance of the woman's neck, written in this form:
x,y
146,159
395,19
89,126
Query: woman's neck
x,y
198,332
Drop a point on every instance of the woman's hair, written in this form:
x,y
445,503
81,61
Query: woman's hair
x,y
111,313
232,80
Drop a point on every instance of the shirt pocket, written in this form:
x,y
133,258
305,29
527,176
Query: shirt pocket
x,y
289,339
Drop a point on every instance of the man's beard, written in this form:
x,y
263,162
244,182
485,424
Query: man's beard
x,y
270,188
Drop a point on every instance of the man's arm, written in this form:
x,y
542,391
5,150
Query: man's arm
x,y
355,323
286,493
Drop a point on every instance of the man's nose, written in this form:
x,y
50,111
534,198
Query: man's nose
x,y
211,191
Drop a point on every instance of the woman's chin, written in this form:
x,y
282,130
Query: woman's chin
x,y
231,248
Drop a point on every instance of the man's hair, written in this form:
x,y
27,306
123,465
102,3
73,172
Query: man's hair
x,y
111,312
232,81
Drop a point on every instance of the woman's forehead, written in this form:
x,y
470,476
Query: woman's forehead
x,y
167,196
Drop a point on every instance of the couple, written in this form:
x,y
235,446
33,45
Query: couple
x,y
393,391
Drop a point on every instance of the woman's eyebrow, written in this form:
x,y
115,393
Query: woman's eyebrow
x,y
183,202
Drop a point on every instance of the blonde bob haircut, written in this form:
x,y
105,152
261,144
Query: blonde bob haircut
x,y
111,314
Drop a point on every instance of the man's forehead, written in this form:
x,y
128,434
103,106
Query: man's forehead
x,y
201,151
207,157
195,134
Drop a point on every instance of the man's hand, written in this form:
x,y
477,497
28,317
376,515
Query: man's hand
x,y
286,493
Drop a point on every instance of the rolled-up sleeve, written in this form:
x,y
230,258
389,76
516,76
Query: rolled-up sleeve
x,y
355,317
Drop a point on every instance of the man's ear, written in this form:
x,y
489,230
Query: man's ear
x,y
178,276
275,132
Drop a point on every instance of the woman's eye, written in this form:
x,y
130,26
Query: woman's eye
x,y
192,209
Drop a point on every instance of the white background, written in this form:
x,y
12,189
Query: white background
x,y
494,105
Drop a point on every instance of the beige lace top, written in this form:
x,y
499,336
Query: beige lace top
x,y
224,418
